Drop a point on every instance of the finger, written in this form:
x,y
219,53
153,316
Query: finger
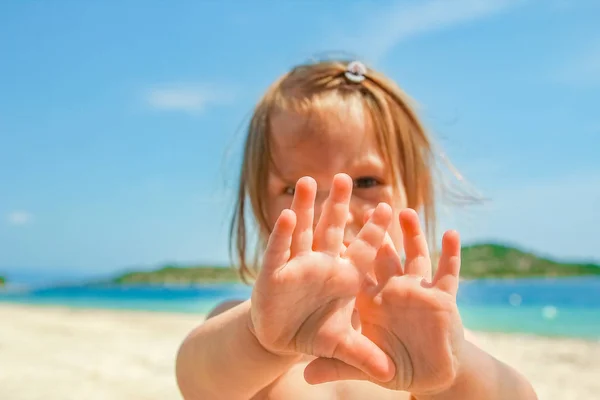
x,y
364,248
372,281
358,352
387,262
323,370
448,271
415,245
303,206
277,251
329,233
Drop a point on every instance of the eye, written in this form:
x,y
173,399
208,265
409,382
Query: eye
x,y
366,182
289,190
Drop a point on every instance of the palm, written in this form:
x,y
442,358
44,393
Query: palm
x,y
413,318
311,286
419,327
304,298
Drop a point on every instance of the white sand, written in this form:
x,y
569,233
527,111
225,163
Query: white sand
x,y
60,353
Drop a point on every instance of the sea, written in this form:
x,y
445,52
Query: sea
x,y
564,307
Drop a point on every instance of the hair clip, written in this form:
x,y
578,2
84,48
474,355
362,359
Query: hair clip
x,y
355,72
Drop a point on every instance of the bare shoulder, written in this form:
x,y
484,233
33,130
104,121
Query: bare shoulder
x,y
223,306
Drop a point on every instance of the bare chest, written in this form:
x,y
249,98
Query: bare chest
x,y
292,386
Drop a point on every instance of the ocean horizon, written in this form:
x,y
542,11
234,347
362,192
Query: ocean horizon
x,y
563,307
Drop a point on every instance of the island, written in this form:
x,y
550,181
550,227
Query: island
x,y
177,274
478,261
501,261
2,281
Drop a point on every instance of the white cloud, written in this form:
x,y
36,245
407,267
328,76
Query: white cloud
x,y
190,98
19,218
389,26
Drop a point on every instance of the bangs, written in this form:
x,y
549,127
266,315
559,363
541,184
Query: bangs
x,y
319,106
320,111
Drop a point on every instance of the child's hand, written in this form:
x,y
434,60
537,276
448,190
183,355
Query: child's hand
x,y
304,298
413,319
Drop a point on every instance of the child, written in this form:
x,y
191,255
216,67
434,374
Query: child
x,y
336,162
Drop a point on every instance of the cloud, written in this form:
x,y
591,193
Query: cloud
x,y
19,218
189,98
387,27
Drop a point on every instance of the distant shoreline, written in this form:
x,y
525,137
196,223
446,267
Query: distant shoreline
x,y
24,287
563,307
479,261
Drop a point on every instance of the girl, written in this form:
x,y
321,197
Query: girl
x,y
336,162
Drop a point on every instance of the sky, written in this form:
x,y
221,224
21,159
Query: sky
x,y
121,123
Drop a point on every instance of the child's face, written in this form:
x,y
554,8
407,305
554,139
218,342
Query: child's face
x,y
322,147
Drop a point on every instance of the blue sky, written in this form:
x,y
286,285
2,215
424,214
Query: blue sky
x,y
121,122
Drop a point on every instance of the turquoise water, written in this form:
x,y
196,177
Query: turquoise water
x,y
547,321
560,307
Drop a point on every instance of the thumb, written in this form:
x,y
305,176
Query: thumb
x,y
323,370
356,355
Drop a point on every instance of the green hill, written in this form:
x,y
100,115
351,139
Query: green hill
x,y
497,261
180,275
2,281
478,261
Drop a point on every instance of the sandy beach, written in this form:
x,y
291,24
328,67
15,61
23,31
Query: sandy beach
x,y
61,353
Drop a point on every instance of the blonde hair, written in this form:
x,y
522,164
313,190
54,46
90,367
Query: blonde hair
x,y
401,137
